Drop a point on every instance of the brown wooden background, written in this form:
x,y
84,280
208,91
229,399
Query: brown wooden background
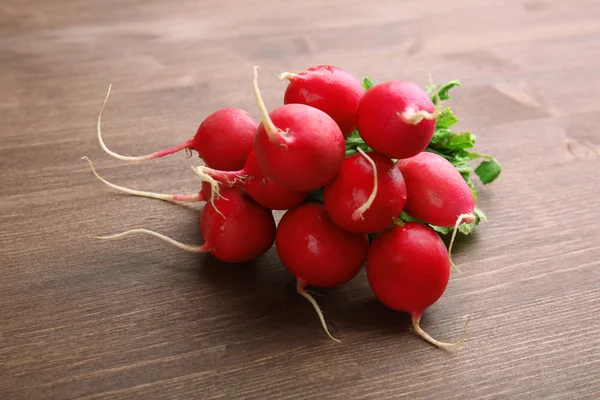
x,y
138,319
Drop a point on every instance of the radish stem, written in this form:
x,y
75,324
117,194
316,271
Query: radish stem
x,y
416,319
187,197
301,288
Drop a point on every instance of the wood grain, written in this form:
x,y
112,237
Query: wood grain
x,y
138,319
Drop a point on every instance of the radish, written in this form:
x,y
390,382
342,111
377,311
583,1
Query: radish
x,y
328,88
397,118
241,231
437,192
224,139
408,270
318,252
261,188
299,147
367,194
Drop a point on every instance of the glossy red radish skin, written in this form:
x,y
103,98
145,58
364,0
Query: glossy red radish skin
x,y
239,231
260,187
352,187
437,193
318,252
330,89
408,270
389,119
224,139
244,231
315,250
299,147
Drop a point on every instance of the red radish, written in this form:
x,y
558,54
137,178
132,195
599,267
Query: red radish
x,y
299,147
318,252
366,195
224,139
437,193
408,270
328,88
397,118
261,188
240,231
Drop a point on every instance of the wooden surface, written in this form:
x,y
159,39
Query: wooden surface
x,y
88,319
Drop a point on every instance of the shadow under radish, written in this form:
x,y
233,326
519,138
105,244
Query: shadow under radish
x,y
261,295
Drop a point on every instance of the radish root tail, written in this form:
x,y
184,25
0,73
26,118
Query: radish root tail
x,y
215,187
158,154
416,319
358,214
301,288
461,218
274,133
187,247
414,117
287,75
188,197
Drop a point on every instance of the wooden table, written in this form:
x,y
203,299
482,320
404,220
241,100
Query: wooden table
x,y
88,319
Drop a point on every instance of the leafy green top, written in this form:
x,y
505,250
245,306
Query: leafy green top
x,y
453,146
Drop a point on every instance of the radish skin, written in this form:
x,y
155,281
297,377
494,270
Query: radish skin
x,y
437,193
330,89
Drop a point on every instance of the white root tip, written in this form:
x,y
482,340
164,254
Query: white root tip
x,y
358,214
461,218
287,75
300,287
414,117
416,319
160,196
186,247
215,186
106,149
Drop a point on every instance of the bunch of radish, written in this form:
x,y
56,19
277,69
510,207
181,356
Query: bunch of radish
x,y
367,174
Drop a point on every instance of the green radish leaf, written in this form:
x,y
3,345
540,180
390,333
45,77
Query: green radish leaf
x,y
407,218
368,83
446,119
442,90
488,171
440,135
460,141
441,229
